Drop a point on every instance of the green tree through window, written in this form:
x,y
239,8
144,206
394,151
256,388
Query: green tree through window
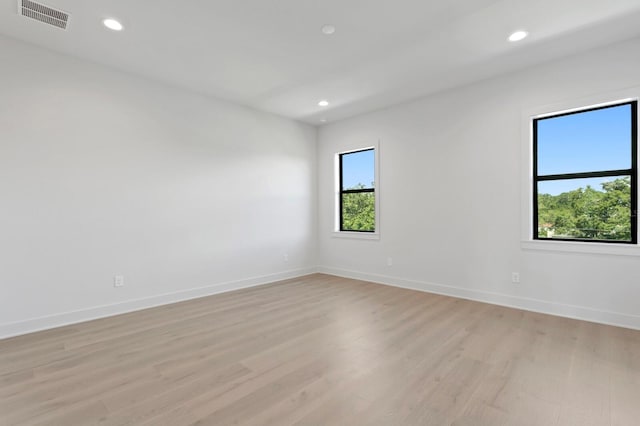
x,y
587,213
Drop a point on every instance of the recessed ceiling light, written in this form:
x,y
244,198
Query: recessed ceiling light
x,y
328,29
112,24
323,103
323,120
518,35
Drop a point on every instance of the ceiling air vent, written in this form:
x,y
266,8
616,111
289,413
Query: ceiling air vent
x,y
43,13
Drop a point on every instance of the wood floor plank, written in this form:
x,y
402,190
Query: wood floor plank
x,y
323,350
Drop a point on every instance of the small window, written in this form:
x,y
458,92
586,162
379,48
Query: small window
x,y
585,175
357,196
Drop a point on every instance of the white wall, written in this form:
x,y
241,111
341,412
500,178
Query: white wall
x,y
104,173
451,192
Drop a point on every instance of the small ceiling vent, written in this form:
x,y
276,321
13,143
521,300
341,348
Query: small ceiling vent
x,y
43,13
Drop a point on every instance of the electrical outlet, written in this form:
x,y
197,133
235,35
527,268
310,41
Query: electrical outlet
x,y
118,281
389,261
515,277
286,257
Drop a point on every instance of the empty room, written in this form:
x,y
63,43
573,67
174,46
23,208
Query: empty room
x,y
298,212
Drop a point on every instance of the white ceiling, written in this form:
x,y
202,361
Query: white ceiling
x,y
272,55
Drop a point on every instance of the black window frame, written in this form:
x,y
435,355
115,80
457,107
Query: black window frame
x,y
342,191
632,172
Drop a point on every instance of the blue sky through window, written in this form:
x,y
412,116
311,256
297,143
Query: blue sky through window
x,y
358,167
584,142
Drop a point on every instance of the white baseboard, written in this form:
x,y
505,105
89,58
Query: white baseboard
x,y
74,317
527,304
534,305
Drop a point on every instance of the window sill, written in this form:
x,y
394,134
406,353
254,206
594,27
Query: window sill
x,y
582,247
356,235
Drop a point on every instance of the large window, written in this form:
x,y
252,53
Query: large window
x,y
357,191
585,175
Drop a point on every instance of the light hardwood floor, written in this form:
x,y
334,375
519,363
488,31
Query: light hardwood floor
x,y
322,350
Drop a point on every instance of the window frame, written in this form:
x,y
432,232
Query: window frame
x,y
348,148
632,172
355,191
